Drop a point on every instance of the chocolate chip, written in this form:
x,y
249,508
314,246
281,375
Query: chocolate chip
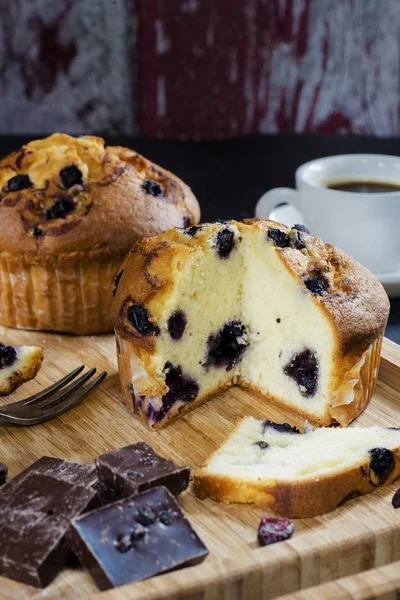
x,y
146,516
18,183
176,324
225,242
71,176
226,348
279,237
138,316
382,464
116,282
62,207
317,285
300,227
153,188
303,368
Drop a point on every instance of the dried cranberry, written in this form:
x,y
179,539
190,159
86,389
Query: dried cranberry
x,y
280,427
18,183
382,464
71,176
226,348
225,242
317,285
279,237
176,324
62,207
274,529
396,499
138,316
153,188
303,368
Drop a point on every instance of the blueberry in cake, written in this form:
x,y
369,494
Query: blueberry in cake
x,y
272,309
299,474
17,365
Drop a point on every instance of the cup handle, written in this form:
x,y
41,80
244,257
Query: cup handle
x,y
279,200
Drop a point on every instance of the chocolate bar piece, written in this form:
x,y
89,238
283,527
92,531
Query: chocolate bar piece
x,y
3,473
65,470
137,468
33,524
135,538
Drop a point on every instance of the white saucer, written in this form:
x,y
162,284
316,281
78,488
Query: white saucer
x,y
288,215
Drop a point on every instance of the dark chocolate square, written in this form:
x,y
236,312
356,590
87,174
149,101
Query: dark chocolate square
x,y
3,473
33,524
135,538
137,468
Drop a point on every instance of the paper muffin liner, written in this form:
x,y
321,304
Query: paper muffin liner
x,y
67,298
356,390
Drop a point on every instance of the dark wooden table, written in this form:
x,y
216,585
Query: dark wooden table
x,y
229,176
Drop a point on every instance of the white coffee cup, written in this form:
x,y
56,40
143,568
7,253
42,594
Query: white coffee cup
x,y
365,225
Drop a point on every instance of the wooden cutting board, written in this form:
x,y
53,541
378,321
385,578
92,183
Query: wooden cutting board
x,y
363,534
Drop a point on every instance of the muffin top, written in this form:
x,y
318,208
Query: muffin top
x,y
66,199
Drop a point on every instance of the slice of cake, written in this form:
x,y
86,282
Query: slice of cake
x,y
299,474
17,365
256,304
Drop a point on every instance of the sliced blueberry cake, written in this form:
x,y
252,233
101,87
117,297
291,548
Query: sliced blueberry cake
x,y
299,474
17,365
256,304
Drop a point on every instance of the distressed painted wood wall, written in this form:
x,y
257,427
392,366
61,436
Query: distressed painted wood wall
x,y
200,68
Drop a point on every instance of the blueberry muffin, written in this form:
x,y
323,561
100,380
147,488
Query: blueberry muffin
x,y
272,309
297,474
17,365
70,209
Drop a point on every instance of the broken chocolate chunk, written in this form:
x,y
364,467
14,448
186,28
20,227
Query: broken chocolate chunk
x,y
137,468
3,473
8,356
176,324
62,207
225,242
138,316
153,188
18,183
303,368
33,523
71,176
381,465
317,285
279,427
226,348
164,547
279,237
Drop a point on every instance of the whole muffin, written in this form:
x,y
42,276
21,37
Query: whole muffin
x,y
70,209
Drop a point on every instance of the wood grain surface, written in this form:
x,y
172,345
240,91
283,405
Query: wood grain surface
x,y
363,534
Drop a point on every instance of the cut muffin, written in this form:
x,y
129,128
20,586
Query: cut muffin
x,y
256,304
70,209
299,475
17,365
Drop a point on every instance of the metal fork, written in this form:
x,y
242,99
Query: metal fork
x,y
52,401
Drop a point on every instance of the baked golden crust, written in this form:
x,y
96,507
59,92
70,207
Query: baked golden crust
x,y
103,212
